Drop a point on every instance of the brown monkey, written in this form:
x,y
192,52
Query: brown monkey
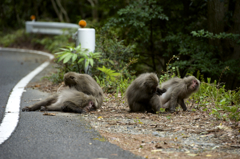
x,y
86,84
177,90
69,100
83,95
142,94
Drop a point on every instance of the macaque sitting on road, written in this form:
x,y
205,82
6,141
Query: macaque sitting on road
x,y
177,90
83,95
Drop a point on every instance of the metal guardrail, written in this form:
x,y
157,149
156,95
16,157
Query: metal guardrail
x,y
54,28
83,36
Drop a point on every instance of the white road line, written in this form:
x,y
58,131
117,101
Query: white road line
x,y
11,116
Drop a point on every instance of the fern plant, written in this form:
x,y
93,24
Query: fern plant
x,y
76,56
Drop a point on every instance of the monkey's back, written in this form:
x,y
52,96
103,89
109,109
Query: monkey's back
x,y
170,83
138,90
86,84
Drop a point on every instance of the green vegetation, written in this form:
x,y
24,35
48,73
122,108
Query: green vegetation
x,y
78,55
8,39
21,39
171,38
216,100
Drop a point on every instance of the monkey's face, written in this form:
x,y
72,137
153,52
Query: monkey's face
x,y
194,85
90,107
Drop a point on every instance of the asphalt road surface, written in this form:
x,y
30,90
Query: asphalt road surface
x,y
63,136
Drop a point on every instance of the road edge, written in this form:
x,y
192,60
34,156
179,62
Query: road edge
x,y
12,109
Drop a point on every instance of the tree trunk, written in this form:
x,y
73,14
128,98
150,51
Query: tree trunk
x,y
60,11
94,4
236,30
59,14
151,46
236,47
216,13
228,49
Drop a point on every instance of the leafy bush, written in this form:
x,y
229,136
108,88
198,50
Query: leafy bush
x,y
53,43
216,100
115,54
78,55
116,82
8,39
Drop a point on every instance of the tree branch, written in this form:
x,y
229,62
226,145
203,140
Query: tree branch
x,y
59,14
63,10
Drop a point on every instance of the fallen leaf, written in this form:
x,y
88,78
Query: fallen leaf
x,y
208,155
37,85
185,136
100,117
215,147
49,114
196,118
158,150
191,154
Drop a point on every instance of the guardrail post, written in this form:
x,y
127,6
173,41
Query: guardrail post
x,y
86,37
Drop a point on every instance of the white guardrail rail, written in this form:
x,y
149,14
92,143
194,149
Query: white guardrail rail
x,y
54,28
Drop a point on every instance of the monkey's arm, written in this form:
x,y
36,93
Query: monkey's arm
x,y
181,102
71,107
160,91
45,102
174,100
155,103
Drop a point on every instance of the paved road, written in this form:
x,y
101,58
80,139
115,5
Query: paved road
x,y
66,135
14,66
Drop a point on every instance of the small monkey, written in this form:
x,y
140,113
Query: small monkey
x,y
143,90
177,90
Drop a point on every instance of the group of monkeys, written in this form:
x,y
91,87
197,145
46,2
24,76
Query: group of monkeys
x,y
143,95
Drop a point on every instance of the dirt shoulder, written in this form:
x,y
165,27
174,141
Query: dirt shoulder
x,y
179,135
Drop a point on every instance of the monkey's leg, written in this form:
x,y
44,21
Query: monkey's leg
x,y
173,101
54,107
155,103
137,107
45,102
71,107
181,102
166,105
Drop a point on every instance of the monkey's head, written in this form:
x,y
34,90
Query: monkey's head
x,y
92,105
151,83
194,85
70,79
